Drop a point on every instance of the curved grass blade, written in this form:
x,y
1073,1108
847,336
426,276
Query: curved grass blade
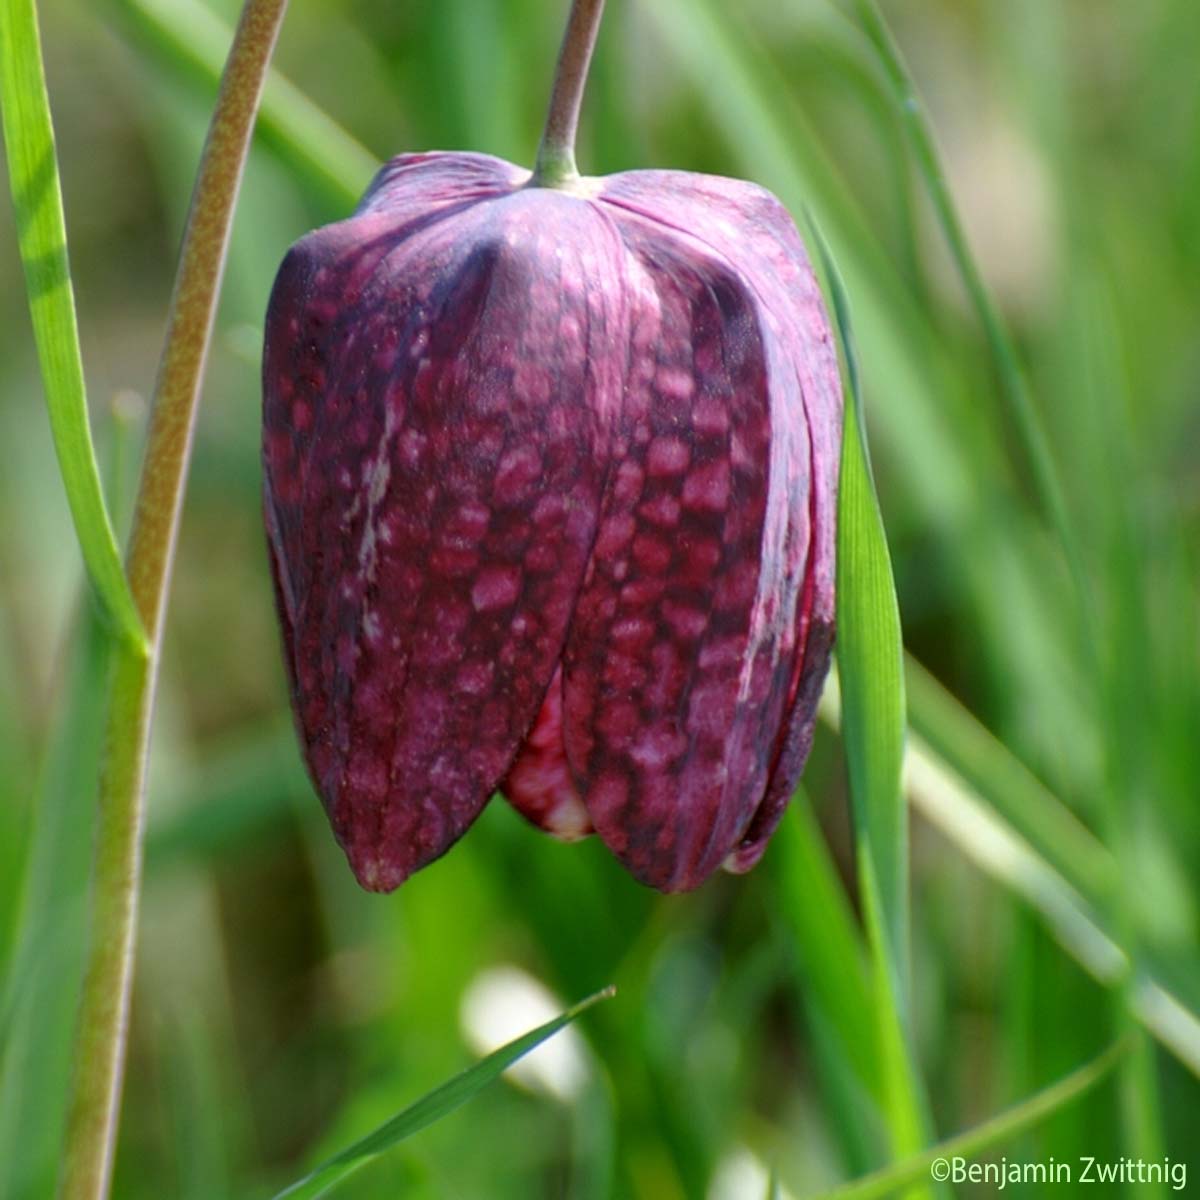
x,y
436,1104
949,802
41,231
870,667
40,987
822,928
1008,784
40,991
998,1129
869,656
1143,1122
1022,410
983,836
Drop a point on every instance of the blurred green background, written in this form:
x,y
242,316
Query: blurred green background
x,y
279,1011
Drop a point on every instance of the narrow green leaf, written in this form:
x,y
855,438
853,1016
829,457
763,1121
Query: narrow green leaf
x,y
870,654
903,1104
1022,411
40,989
1143,1121
1001,1128
42,233
1010,787
816,912
438,1103
945,800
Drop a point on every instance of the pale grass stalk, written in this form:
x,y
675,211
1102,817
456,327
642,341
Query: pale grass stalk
x,y
101,1032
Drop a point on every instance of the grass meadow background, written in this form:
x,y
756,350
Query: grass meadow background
x,y
1054,769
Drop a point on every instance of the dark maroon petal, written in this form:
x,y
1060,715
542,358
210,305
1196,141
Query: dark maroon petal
x,y
792,752
438,398
505,427
676,677
747,226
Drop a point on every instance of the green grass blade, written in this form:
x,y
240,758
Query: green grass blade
x,y
1143,1123
944,800
869,662
822,927
870,657
1010,787
936,791
1021,408
903,1106
438,1103
190,39
40,988
42,233
1001,1128
103,1021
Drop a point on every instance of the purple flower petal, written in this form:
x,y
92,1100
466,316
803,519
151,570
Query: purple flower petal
x,y
749,226
549,490
436,431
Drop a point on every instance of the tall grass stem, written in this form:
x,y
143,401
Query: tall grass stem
x,y
104,1009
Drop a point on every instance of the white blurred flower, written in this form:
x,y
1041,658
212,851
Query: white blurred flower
x,y
504,1002
742,1176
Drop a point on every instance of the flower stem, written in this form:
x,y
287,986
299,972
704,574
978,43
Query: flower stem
x,y
100,1036
556,155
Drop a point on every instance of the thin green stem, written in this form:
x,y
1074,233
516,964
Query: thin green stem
x,y
100,1033
1030,433
104,1008
556,155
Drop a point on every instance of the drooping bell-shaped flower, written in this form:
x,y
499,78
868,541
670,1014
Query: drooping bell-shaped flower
x,y
550,481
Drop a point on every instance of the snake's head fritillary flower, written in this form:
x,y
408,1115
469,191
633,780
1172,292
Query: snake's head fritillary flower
x,y
550,481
